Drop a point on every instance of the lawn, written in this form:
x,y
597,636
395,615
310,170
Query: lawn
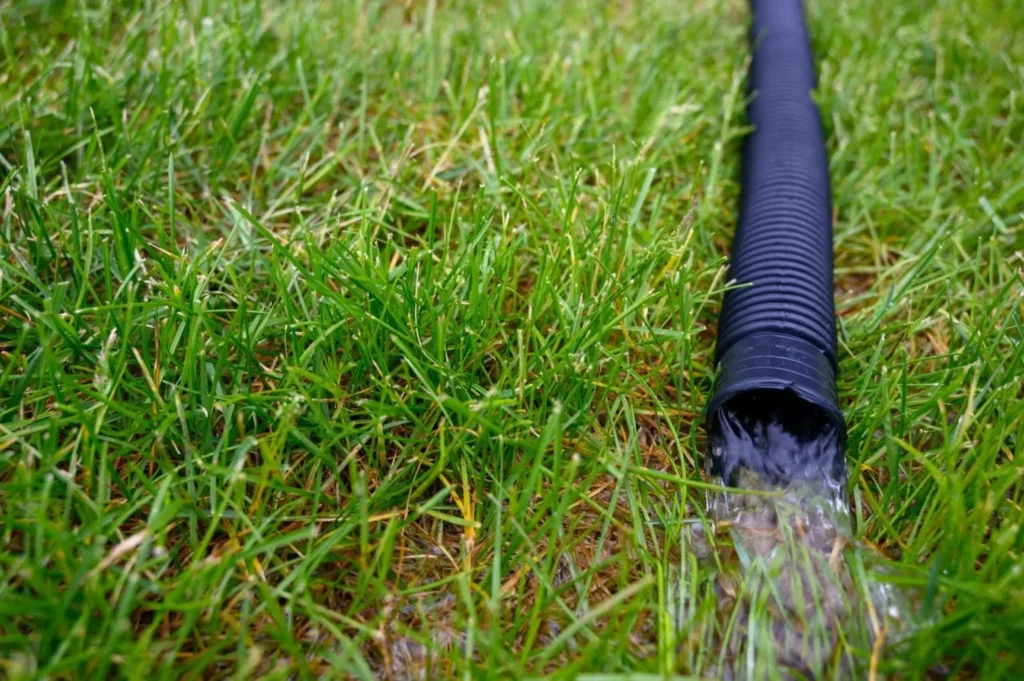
x,y
372,338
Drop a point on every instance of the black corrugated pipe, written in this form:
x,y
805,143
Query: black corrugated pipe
x,y
775,413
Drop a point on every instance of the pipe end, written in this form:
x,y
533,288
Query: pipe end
x,y
774,361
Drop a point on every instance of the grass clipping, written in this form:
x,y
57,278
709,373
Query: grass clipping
x,y
797,598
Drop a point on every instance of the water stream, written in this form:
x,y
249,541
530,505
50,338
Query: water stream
x,y
796,596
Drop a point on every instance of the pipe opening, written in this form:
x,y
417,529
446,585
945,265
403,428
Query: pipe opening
x,y
778,439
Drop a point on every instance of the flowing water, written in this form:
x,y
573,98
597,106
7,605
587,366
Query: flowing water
x,y
796,597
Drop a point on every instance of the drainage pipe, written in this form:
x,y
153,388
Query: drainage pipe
x,y
775,412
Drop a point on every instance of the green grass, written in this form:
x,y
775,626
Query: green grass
x,y
344,339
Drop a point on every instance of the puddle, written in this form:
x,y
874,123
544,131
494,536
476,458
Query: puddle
x,y
794,596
